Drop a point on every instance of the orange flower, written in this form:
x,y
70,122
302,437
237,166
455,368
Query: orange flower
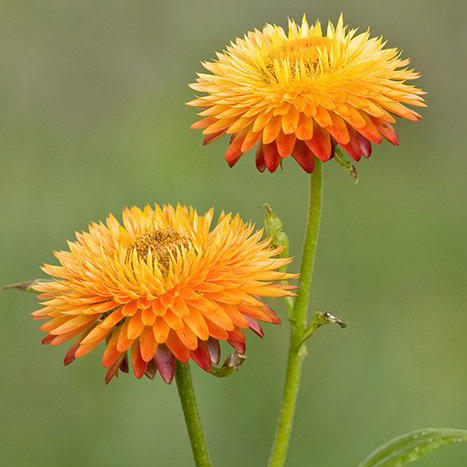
x,y
299,94
162,285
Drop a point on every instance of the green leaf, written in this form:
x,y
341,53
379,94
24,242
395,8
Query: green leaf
x,y
342,160
409,447
320,319
275,229
231,364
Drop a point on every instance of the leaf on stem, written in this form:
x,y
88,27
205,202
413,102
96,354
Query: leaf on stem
x,y
25,286
320,319
275,229
342,160
409,447
231,364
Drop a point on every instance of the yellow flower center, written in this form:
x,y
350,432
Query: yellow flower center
x,y
162,243
295,58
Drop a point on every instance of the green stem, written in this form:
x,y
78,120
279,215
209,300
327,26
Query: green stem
x,y
191,413
298,322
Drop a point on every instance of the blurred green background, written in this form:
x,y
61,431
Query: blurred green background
x,y
92,119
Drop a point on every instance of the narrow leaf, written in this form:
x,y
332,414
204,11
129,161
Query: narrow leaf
x,y
320,319
25,286
231,364
342,160
409,447
275,229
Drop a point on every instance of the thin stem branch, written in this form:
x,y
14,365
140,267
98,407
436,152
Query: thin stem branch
x,y
298,322
191,413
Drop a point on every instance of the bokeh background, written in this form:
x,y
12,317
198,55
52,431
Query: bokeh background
x,y
92,119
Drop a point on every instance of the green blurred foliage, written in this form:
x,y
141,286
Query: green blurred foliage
x,y
92,119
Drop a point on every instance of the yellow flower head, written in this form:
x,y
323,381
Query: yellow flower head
x,y
162,285
299,94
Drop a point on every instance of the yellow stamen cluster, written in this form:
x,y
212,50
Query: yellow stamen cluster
x,y
160,244
295,59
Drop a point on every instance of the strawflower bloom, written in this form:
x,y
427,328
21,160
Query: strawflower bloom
x,y
163,286
300,94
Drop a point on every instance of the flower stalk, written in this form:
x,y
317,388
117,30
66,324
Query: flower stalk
x,y
191,414
298,323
